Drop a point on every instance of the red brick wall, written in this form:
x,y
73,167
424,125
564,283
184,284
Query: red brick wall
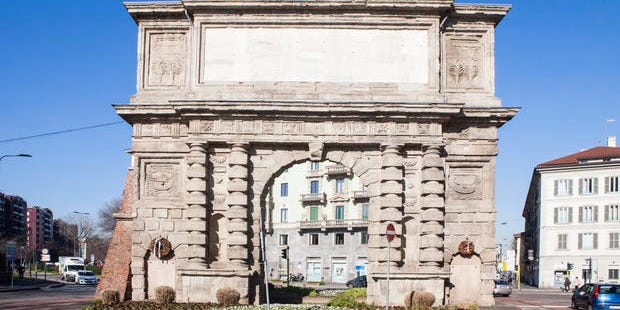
x,y
116,271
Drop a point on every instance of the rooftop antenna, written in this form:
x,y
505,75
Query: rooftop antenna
x,y
607,136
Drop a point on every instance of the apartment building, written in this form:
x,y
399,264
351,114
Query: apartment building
x,y
317,223
12,217
40,227
572,219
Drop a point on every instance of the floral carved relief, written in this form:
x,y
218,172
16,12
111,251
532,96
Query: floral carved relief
x,y
463,63
166,62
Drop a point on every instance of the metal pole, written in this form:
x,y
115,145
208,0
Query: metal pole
x,y
387,297
262,240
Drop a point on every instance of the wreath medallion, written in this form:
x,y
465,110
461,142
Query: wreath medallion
x,y
466,248
161,248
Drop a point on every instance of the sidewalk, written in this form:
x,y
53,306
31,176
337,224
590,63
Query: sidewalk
x,y
29,284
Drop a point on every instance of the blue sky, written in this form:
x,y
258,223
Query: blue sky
x,y
64,63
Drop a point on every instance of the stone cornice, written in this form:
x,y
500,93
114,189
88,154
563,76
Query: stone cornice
x,y
482,12
494,115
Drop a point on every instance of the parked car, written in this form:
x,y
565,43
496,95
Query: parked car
x,y
357,282
502,288
597,296
86,277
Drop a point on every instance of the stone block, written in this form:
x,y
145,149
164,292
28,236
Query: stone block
x,y
432,215
349,159
160,213
430,241
299,155
433,174
167,225
137,225
392,187
485,217
152,225
237,239
198,211
196,198
237,171
237,185
452,217
144,212
431,255
391,160
432,161
431,228
392,173
238,158
335,156
282,158
392,201
395,254
195,185
432,201
196,171
390,214
237,252
191,238
237,199
432,187
194,225
237,225
237,212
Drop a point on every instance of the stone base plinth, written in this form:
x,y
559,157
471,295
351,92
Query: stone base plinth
x,y
202,285
402,284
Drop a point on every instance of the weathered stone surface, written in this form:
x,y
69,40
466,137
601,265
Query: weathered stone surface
x,y
240,172
432,174
430,241
432,215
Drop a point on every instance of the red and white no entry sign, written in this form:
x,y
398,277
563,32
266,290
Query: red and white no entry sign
x,y
390,232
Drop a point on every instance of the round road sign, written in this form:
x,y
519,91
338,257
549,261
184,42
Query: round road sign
x,y
390,232
44,251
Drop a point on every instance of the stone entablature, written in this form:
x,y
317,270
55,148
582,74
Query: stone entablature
x,y
213,126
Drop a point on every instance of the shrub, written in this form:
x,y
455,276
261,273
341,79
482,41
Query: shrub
x,y
110,297
165,295
423,300
409,300
227,296
346,299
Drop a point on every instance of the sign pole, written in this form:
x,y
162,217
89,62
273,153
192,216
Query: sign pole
x,y
262,240
387,303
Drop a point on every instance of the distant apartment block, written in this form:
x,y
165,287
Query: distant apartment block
x,y
40,223
12,217
319,216
572,219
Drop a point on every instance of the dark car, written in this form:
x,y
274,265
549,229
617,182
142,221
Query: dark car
x,y
597,296
502,288
357,282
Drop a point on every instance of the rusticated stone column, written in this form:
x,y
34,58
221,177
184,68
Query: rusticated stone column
x,y
391,208
237,202
432,217
197,206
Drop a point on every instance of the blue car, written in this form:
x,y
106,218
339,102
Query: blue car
x,y
597,296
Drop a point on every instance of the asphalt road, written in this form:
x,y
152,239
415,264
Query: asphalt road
x,y
67,297
532,298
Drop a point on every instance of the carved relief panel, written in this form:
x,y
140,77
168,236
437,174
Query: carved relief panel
x,y
165,59
464,66
465,183
161,181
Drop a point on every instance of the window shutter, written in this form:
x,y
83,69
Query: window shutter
x,y
555,188
607,213
606,184
580,214
570,186
555,215
595,214
580,241
580,186
595,185
570,214
595,240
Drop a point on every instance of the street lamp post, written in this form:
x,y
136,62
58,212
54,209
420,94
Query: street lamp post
x,y
14,155
79,232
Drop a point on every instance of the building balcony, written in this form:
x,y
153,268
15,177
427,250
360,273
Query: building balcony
x,y
359,195
333,224
313,198
337,170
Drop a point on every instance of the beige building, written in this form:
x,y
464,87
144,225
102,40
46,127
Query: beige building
x,y
230,94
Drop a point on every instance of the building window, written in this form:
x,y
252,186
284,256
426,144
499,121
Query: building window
x,y
340,186
588,214
284,215
365,211
613,274
562,215
614,240
314,213
587,241
339,239
340,213
364,237
612,213
314,165
314,187
283,189
588,186
563,187
283,240
314,239
611,184
562,238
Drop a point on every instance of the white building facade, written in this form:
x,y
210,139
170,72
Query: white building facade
x,y
572,220
319,216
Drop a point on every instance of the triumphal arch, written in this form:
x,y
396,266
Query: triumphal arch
x,y
231,93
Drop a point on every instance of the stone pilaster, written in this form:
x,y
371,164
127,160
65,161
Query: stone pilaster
x,y
237,202
391,208
432,217
196,187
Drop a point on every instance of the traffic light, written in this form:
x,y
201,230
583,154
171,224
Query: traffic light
x,y
569,266
284,253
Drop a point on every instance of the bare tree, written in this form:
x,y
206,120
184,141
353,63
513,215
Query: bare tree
x,y
107,222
